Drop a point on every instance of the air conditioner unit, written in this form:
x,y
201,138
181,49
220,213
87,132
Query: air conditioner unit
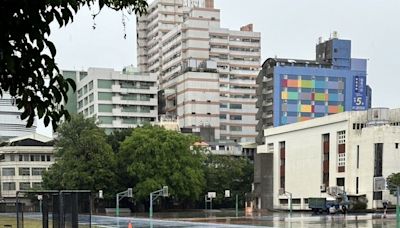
x,y
322,188
332,191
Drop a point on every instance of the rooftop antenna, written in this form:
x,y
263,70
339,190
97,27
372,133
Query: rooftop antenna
x,y
335,34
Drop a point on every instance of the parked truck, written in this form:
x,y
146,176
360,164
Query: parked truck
x,y
320,205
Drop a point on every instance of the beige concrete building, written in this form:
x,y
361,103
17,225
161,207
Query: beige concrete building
x,y
206,73
22,163
117,99
348,152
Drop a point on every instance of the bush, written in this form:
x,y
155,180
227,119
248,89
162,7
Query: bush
x,y
359,205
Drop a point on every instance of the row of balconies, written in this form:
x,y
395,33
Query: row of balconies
x,y
145,90
119,112
118,100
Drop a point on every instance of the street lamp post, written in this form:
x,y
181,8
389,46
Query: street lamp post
x,y
237,205
282,192
398,207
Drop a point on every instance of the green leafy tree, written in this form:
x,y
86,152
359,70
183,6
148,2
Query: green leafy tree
x,y
117,137
228,173
27,56
393,181
84,159
153,157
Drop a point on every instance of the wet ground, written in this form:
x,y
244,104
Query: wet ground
x,y
225,218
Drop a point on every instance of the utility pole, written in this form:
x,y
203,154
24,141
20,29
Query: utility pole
x,y
237,205
398,207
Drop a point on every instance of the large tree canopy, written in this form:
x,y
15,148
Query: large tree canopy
x,y
27,56
153,157
228,173
84,159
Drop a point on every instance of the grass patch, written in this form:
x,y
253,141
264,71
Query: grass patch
x,y
31,223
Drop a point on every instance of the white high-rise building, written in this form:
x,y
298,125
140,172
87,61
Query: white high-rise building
x,y
11,124
207,73
116,99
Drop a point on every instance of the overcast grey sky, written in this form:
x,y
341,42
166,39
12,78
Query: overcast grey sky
x,y
289,28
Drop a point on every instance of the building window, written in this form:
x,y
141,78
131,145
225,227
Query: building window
x,y
105,96
235,128
358,156
223,105
106,119
8,171
24,185
396,145
48,158
9,186
341,137
222,127
283,201
105,107
36,185
38,171
104,84
222,116
378,152
235,106
340,182
35,157
341,159
282,157
235,117
296,201
357,184
24,171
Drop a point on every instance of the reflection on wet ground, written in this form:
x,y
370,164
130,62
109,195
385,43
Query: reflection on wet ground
x,y
225,218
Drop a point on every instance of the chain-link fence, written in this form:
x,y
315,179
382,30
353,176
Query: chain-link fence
x,y
54,209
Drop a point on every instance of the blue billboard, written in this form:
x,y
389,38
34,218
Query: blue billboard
x,y
359,93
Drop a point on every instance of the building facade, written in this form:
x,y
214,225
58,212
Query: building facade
x,y
291,90
348,152
23,161
206,73
11,124
116,99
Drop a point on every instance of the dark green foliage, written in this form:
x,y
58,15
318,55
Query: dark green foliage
x,y
153,157
84,159
359,205
228,173
393,181
117,137
27,56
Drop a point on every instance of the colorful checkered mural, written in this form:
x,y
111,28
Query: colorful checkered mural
x,y
307,97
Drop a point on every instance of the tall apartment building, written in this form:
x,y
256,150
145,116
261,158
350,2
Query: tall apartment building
x,y
296,90
206,73
11,124
116,99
